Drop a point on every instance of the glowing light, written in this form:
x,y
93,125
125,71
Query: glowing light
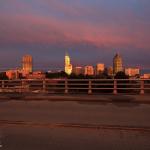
x,y
68,65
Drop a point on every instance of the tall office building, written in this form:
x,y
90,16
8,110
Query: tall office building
x,y
117,64
100,68
68,65
27,63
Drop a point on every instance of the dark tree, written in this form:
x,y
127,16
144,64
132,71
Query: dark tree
x,y
61,74
3,76
121,75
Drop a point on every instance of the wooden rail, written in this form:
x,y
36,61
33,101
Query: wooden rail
x,y
89,86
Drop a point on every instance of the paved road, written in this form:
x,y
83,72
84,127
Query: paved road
x,y
73,125
77,97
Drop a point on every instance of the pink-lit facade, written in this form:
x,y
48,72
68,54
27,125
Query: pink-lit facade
x,y
131,72
89,70
78,70
27,63
100,68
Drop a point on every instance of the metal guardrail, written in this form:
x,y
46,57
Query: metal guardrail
x,y
89,86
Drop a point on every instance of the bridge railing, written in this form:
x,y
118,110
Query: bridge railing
x,y
90,86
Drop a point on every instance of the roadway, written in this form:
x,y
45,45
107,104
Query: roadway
x,y
60,124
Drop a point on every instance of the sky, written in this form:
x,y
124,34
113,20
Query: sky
x,y
91,31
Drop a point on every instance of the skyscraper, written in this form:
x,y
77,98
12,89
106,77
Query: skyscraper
x,y
68,65
117,64
27,63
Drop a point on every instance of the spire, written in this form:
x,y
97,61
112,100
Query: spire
x,y
117,55
66,53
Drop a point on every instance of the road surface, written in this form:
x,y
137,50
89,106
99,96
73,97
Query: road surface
x,y
58,125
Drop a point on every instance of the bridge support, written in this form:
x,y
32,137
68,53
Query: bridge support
x,y
3,84
25,86
115,87
90,87
44,86
66,86
142,87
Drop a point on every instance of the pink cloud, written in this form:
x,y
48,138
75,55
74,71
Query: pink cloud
x,y
39,29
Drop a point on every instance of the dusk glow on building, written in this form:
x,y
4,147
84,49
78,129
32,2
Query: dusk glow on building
x,y
100,68
132,71
27,63
117,64
68,65
74,74
89,70
78,70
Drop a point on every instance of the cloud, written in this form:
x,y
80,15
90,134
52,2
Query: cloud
x,y
95,27
38,29
74,22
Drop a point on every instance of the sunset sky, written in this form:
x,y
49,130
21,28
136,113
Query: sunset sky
x,y
91,31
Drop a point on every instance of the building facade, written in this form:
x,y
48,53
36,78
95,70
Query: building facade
x,y
68,65
117,64
99,68
89,70
131,72
13,74
27,64
110,71
78,70
36,75
146,76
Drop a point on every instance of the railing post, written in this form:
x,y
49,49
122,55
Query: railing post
x,y
142,87
66,86
44,85
115,87
90,87
25,86
3,84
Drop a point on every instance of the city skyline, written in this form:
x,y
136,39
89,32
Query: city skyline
x,y
46,29
99,70
66,62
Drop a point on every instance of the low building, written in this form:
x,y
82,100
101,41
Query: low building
x,y
100,68
146,76
36,75
13,74
78,70
110,71
89,70
132,72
